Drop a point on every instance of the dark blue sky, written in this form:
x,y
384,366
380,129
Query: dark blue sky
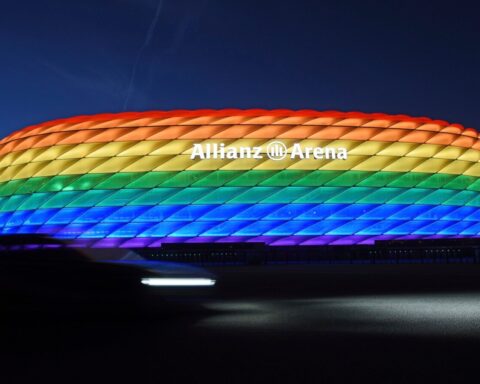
x,y
63,58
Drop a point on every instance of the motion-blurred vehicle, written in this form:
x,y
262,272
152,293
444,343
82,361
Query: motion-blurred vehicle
x,y
39,272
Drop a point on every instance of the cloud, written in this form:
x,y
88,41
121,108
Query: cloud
x,y
90,79
146,42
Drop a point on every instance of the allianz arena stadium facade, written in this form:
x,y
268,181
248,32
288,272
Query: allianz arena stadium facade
x,y
277,177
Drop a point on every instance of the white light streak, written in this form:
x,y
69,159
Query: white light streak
x,y
178,282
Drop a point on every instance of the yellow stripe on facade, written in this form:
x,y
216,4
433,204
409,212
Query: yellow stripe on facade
x,y
404,157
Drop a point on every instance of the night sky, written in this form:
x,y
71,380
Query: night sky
x,y
64,58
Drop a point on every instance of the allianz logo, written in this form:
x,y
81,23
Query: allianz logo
x,y
275,150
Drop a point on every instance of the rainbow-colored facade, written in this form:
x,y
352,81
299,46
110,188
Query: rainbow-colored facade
x,y
131,180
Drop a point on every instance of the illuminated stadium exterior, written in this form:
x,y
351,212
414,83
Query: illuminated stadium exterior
x,y
277,177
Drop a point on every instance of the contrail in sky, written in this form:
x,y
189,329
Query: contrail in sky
x,y
145,44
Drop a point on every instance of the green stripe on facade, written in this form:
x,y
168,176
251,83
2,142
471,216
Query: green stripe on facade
x,y
300,178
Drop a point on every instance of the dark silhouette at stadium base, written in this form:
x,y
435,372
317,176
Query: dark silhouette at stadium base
x,y
386,252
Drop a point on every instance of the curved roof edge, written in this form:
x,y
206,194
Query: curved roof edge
x,y
240,112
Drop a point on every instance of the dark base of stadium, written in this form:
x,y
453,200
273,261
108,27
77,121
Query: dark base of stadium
x,y
453,250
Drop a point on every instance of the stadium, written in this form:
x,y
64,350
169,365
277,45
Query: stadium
x,y
275,177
